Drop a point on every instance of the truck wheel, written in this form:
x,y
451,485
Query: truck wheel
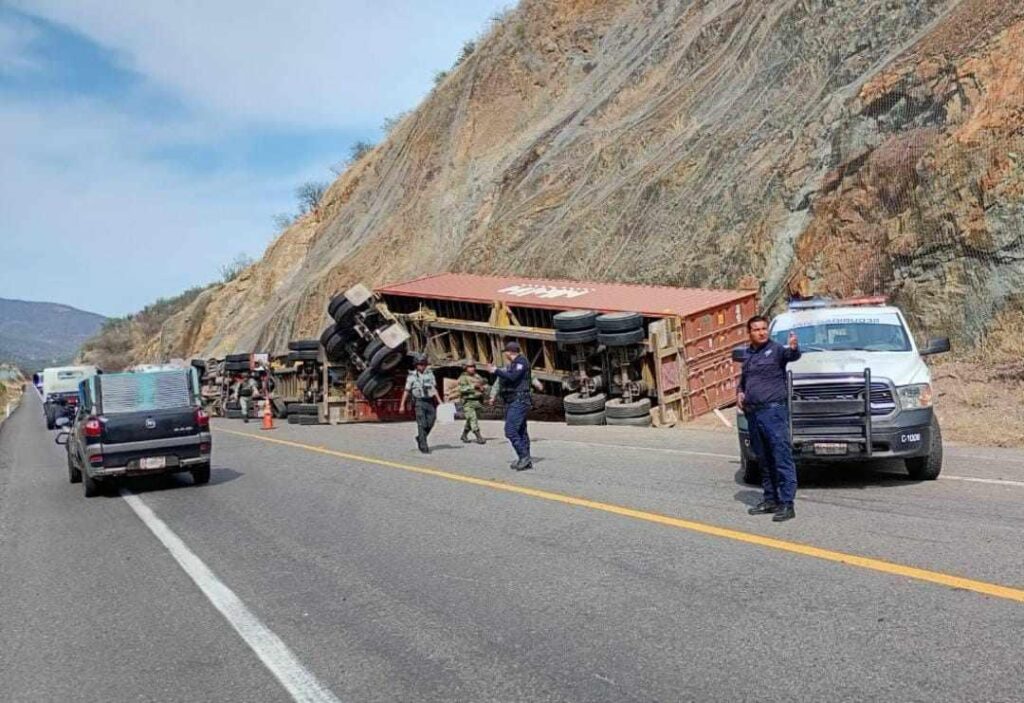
x,y
928,468
304,345
617,408
751,470
344,314
377,387
74,475
576,336
619,322
326,335
575,404
201,474
644,421
573,320
91,486
621,339
381,357
597,418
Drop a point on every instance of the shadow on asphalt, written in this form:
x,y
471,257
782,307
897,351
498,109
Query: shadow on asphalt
x,y
168,482
825,475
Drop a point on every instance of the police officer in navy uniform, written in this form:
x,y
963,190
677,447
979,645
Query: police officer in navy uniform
x,y
763,398
515,383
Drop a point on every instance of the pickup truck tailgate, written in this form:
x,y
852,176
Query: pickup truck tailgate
x,y
147,426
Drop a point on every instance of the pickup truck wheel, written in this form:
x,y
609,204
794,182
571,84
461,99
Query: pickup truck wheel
x,y
50,419
91,486
928,468
74,475
201,474
751,470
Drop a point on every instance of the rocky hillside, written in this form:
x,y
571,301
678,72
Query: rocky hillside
x,y
36,335
836,146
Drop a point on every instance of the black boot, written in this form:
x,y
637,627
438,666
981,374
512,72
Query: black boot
x,y
524,463
480,438
785,512
764,507
465,437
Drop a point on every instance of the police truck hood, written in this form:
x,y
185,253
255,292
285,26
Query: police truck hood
x,y
902,368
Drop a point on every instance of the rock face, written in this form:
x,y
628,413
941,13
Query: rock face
x,y
832,146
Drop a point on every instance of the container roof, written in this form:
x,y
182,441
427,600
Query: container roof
x,y
653,301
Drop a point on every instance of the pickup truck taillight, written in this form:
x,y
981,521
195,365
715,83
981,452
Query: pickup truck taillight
x,y
202,419
93,428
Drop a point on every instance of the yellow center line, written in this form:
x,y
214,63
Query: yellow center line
x,y
937,577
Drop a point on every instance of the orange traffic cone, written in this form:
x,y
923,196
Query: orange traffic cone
x,y
268,416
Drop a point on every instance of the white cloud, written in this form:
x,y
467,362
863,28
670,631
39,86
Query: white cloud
x,y
313,63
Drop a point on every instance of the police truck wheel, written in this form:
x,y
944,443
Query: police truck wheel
x,y
619,322
575,404
631,421
621,339
573,320
576,336
751,470
597,418
928,468
617,408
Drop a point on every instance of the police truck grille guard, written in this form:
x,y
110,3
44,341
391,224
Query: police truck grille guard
x,y
838,407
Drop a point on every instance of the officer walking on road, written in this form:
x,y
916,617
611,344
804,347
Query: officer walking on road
x,y
422,385
248,390
764,399
472,388
515,380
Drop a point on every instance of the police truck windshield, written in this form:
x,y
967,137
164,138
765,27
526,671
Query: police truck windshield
x,y
873,333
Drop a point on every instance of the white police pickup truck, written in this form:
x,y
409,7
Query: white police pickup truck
x,y
861,389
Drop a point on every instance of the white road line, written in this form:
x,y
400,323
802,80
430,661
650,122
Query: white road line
x,y
973,479
997,481
272,651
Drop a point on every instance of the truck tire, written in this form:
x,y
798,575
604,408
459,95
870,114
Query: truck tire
x,y
236,365
597,418
307,420
295,357
928,468
237,357
619,322
575,404
328,332
294,419
201,474
90,486
576,336
304,345
74,475
51,421
616,408
233,414
344,314
632,421
381,357
280,408
621,339
573,320
336,302
377,386
751,470
303,409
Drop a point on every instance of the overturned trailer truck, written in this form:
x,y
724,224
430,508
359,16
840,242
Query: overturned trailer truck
x,y
618,353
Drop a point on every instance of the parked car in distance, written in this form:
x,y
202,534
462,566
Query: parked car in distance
x,y
133,424
60,391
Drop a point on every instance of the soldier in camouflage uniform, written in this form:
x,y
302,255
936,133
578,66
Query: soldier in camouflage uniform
x,y
472,389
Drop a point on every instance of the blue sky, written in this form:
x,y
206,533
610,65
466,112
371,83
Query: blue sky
x,y
145,144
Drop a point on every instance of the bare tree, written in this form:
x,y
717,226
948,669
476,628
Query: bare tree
x,y
310,194
231,271
283,220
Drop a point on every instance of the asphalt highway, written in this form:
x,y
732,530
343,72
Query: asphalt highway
x,y
340,564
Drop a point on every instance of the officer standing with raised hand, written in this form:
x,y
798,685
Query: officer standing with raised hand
x,y
515,380
422,385
763,398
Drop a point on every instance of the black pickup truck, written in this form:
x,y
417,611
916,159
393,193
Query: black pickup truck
x,y
133,424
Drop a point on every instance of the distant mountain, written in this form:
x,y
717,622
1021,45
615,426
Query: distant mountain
x,y
35,335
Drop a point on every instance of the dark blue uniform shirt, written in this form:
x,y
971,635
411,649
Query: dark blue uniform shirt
x,y
763,379
515,380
